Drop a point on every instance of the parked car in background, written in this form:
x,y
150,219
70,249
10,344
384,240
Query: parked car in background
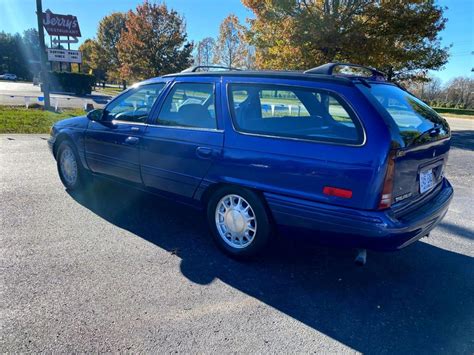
x,y
335,150
8,76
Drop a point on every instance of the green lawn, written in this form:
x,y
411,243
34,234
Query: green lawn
x,y
14,119
112,91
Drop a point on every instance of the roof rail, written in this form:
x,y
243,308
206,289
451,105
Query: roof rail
x,y
329,68
197,68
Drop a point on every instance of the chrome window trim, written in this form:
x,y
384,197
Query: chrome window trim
x,y
129,122
338,95
173,127
188,128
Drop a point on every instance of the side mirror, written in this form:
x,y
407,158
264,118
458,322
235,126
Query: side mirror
x,y
96,115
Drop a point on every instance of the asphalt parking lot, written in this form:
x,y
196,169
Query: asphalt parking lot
x,y
115,270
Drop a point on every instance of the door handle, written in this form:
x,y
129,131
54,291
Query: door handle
x,y
131,140
204,152
135,129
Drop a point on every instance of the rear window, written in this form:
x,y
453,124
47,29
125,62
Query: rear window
x,y
293,112
416,121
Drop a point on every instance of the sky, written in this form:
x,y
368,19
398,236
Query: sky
x,y
204,16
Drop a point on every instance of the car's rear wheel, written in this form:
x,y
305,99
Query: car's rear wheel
x,y
69,166
238,221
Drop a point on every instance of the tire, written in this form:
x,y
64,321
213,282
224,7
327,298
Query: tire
x,y
239,222
72,174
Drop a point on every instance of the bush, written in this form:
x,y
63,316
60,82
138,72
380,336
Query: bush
x,y
454,111
78,83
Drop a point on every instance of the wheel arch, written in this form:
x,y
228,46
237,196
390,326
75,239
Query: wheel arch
x,y
59,139
64,136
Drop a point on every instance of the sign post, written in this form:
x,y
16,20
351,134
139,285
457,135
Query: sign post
x,y
44,72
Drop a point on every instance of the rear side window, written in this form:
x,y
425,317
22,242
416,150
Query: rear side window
x,y
414,119
293,112
189,105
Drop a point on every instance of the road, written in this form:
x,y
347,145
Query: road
x,y
115,270
14,93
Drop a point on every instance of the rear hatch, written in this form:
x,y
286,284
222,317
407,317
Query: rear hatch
x,y
424,139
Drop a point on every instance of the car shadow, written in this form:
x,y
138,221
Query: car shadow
x,y
460,231
417,300
462,139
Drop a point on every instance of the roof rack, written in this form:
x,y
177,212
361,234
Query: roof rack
x,y
328,69
197,68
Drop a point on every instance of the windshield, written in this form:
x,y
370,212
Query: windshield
x,y
417,122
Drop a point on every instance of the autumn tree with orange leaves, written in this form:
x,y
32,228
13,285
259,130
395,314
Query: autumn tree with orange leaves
x,y
399,37
154,43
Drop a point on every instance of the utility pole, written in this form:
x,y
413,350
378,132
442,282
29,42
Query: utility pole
x,y
44,71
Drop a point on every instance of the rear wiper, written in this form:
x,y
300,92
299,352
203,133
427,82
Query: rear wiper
x,y
432,132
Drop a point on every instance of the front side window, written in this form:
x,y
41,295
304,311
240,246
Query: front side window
x,y
190,105
135,105
293,112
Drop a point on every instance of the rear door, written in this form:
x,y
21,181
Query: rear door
x,y
112,145
184,137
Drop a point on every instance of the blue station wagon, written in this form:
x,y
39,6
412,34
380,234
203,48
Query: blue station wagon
x,y
336,151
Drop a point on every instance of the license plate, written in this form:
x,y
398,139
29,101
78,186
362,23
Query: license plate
x,y
426,180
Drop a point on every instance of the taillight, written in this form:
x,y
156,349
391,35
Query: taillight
x,y
387,190
335,191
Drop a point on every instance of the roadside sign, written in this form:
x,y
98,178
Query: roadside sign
x,y
73,40
61,25
64,55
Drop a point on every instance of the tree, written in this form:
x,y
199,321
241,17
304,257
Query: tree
x,y
205,51
14,56
30,49
249,58
459,92
398,37
154,43
108,36
231,47
431,90
94,61
31,44
428,88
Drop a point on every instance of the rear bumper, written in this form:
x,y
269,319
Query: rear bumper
x,y
376,230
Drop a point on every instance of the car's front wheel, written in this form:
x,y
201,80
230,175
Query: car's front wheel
x,y
69,167
238,221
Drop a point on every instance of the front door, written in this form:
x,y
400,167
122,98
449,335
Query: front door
x,y
112,145
183,140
